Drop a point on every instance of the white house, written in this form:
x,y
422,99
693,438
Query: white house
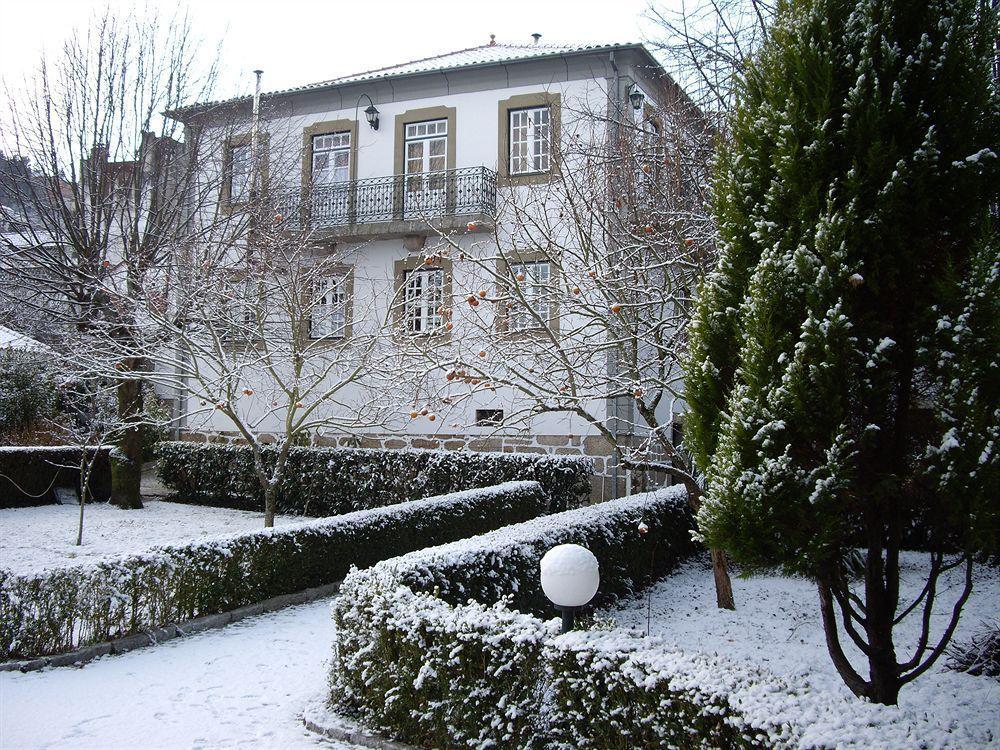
x,y
388,161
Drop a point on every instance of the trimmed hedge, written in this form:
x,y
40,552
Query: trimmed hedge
x,y
331,481
65,608
428,650
30,474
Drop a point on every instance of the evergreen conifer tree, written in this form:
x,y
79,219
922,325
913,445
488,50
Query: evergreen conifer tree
x,y
843,373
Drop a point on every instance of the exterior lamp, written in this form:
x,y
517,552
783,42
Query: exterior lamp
x,y
636,97
570,577
372,115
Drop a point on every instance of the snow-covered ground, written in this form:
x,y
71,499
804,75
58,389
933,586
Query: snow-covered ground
x,y
777,625
45,536
242,686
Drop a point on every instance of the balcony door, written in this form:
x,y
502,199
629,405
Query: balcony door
x,y
425,185
331,179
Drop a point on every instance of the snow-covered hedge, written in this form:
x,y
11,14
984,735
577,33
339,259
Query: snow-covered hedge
x,y
430,646
330,481
429,650
29,474
62,609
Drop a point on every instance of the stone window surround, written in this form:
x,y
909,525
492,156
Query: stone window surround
x,y
423,114
348,274
525,101
225,189
504,277
412,263
328,127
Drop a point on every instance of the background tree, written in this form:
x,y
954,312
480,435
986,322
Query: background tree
x,y
249,327
577,303
110,180
706,44
842,371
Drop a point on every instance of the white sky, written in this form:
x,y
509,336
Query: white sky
x,y
302,41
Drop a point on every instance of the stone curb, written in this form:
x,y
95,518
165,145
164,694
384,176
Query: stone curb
x,y
343,729
171,630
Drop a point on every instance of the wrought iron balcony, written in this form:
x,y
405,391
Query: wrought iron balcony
x,y
393,205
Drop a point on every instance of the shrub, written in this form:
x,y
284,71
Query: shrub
x,y
29,474
428,649
980,655
27,392
58,610
330,481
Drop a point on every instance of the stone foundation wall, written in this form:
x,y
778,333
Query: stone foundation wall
x,y
594,447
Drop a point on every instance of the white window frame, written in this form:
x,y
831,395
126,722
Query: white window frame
x,y
530,140
423,300
331,147
535,291
328,309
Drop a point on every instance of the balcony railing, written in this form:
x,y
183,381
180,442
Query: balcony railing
x,y
429,196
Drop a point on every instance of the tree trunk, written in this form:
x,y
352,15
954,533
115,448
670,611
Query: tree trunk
x,y
720,567
723,583
126,470
270,495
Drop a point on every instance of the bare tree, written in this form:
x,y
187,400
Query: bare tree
x,y
578,303
88,419
249,325
111,181
705,44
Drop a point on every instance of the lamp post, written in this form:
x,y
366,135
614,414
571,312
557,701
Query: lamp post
x,y
570,577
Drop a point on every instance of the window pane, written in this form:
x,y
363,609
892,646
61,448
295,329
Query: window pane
x,y
534,290
239,165
424,296
328,315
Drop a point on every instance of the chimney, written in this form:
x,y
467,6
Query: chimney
x,y
536,36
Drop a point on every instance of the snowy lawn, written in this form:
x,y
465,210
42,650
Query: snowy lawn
x,y
777,625
242,686
45,536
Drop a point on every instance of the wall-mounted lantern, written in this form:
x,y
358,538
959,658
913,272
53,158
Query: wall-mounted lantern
x,y
371,114
636,97
570,577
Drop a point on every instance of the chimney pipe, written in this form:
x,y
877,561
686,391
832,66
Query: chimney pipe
x,y
536,36
255,137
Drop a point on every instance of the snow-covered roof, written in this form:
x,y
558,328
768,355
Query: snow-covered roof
x,y
471,57
13,340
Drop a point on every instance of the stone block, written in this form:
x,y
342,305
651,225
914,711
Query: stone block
x,y
553,440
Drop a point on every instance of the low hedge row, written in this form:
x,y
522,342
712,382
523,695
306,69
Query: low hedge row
x,y
430,647
65,608
331,481
30,474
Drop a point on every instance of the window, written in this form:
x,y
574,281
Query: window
x,y
331,158
328,314
423,301
489,417
530,140
533,282
239,173
425,148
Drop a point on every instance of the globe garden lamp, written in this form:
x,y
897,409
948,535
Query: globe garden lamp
x,y
570,577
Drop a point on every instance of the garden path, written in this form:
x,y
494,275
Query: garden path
x,y
242,686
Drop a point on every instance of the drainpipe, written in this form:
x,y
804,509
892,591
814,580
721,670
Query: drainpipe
x,y
613,404
255,137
